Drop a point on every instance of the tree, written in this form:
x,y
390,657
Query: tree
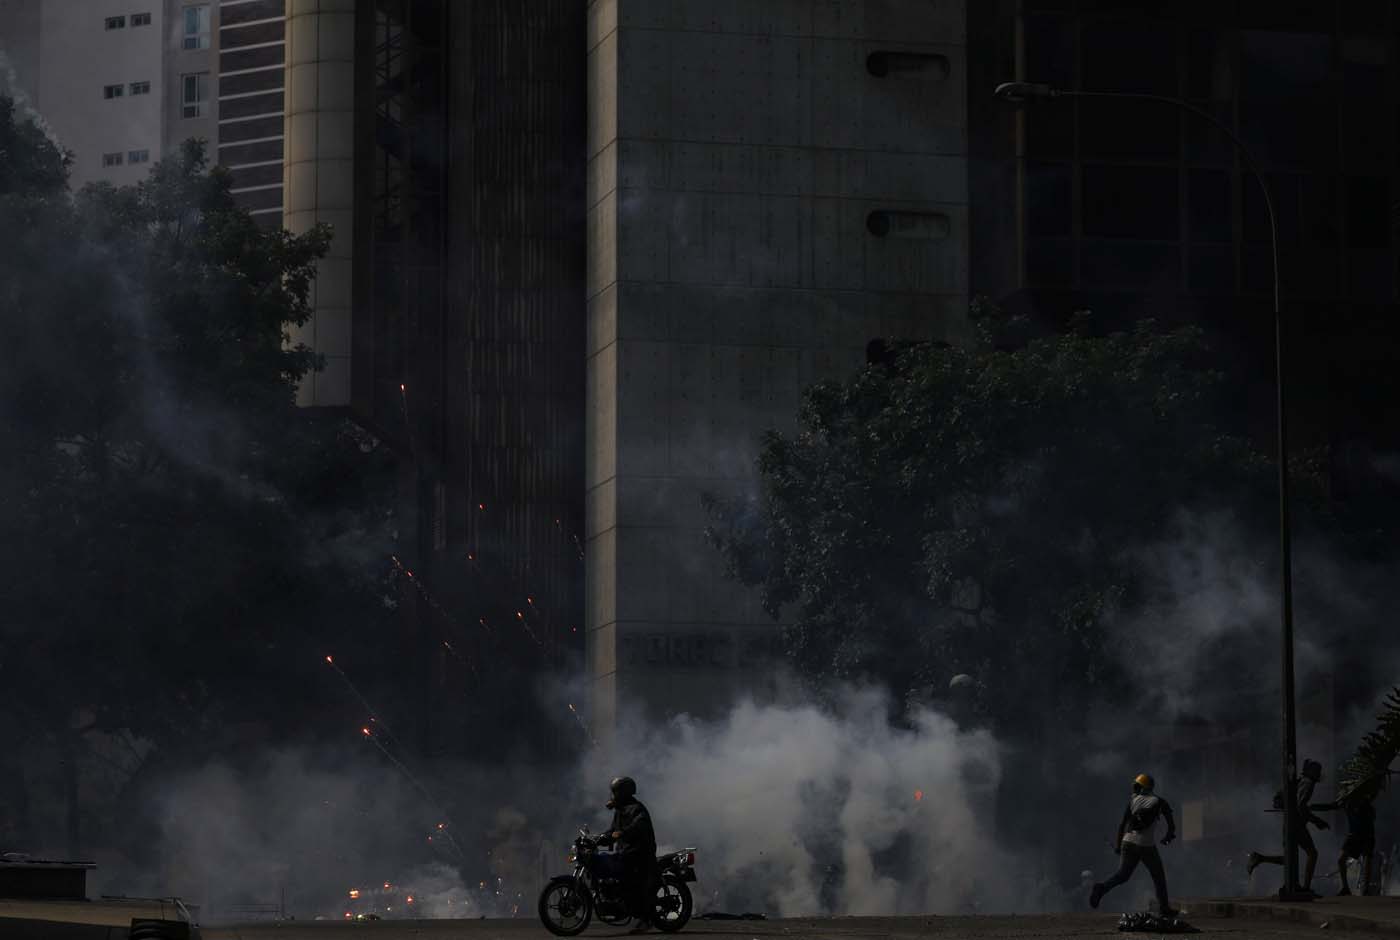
x,y
968,509
181,538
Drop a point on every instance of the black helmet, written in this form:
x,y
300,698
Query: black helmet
x,y
623,788
1312,770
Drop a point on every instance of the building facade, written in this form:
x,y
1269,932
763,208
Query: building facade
x,y
121,83
1132,209
771,186
577,329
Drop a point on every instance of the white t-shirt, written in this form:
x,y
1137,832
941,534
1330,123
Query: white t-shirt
x,y
1144,803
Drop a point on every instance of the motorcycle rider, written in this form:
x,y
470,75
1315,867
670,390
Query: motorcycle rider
x,y
635,844
1137,835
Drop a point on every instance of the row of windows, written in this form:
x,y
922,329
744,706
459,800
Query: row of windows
x,y
137,19
194,92
196,22
116,91
131,156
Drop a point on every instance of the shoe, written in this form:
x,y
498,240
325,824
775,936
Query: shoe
x,y
1344,893
1170,912
1254,859
1096,895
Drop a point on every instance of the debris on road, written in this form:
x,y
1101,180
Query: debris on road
x,y
1146,921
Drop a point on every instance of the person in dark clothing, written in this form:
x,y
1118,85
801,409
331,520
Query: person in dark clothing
x,y
1136,842
1303,815
634,841
1360,842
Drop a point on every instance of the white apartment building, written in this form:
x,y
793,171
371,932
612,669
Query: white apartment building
x,y
121,83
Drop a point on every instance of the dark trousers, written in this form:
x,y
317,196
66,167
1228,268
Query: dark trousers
x,y
635,872
637,875
1148,855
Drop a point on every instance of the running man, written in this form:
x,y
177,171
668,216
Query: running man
x,y
1137,842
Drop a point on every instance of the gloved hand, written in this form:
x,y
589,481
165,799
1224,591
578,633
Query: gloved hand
x,y
1322,824
1169,838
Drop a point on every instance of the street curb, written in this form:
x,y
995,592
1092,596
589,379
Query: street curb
x,y
1298,914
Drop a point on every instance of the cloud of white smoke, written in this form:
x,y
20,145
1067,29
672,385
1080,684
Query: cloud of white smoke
x,y
797,809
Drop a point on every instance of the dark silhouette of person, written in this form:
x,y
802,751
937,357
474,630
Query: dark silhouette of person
x,y
635,843
1359,844
1137,842
1303,815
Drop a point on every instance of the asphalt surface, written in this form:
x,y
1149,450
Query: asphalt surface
x,y
845,928
1239,919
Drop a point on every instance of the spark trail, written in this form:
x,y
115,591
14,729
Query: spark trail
x,y
427,795
354,690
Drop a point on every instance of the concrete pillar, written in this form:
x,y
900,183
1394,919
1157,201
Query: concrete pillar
x,y
318,178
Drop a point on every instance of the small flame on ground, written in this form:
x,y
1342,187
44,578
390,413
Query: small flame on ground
x,y
366,731
330,660
354,892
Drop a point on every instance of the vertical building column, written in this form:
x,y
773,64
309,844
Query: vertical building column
x,y
318,179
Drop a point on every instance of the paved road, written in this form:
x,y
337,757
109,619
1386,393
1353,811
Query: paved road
x,y
1048,927
1255,919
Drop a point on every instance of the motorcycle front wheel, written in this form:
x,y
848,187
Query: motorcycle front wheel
x,y
672,904
565,907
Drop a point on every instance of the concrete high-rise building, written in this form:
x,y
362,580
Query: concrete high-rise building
x,y
121,83
771,186
574,330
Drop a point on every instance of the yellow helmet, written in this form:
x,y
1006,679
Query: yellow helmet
x,y
1145,781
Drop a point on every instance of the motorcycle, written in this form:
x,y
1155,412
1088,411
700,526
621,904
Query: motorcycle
x,y
569,902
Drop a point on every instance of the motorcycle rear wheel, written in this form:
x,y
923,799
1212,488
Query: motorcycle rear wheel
x,y
565,908
672,904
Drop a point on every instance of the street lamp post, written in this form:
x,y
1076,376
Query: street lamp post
x,y
1022,91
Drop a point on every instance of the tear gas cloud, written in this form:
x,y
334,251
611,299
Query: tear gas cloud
x,y
798,808
794,809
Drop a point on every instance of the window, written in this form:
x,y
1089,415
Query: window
x,y
140,88
112,91
111,159
138,156
140,19
197,27
116,22
194,91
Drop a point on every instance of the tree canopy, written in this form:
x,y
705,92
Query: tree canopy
x,y
970,509
180,538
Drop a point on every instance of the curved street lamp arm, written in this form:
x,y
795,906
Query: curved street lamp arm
x,y
1285,540
1248,158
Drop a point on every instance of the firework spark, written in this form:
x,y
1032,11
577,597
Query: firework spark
x,y
354,690
408,775
584,727
407,423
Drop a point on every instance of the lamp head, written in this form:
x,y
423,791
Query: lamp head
x,y
1020,91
